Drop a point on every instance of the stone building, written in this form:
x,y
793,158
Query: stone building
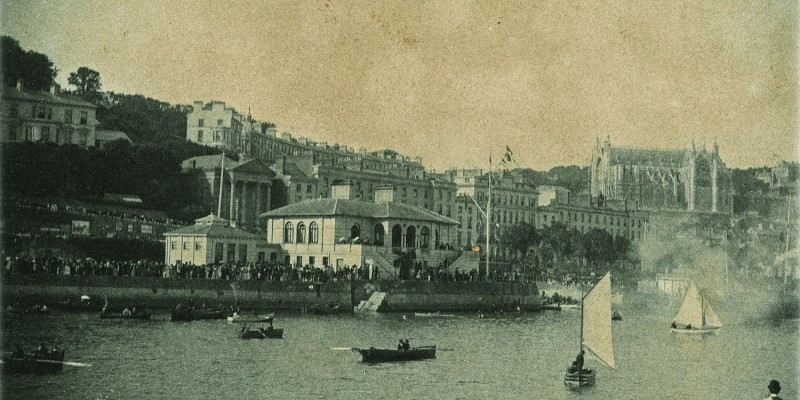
x,y
211,239
36,116
657,179
345,231
632,225
245,192
513,201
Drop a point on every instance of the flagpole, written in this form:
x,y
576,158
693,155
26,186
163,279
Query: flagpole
x,y
221,180
489,217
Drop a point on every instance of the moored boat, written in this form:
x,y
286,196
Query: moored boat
x,y
191,314
236,317
34,363
142,315
433,315
376,355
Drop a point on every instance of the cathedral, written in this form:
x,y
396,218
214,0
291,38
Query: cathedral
x,y
657,179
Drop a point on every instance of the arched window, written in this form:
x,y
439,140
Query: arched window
x,y
301,233
313,233
397,236
288,233
378,234
355,231
411,236
424,237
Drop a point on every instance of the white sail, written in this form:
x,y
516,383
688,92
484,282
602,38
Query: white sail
x,y
691,312
597,321
711,318
695,311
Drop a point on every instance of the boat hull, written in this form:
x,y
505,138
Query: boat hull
x,y
250,319
578,380
373,355
276,333
34,365
142,316
192,315
706,331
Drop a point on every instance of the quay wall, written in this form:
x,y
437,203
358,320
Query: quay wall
x,y
159,293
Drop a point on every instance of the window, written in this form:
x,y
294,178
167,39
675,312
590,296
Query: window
x,y
13,110
68,116
311,260
186,245
301,233
45,136
173,245
326,261
313,233
288,233
200,135
83,135
200,122
41,111
84,117
198,246
219,122
68,131
50,113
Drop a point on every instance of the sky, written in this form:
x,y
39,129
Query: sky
x,y
453,81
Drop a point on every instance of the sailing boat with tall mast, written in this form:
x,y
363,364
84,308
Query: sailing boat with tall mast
x,y
696,315
596,334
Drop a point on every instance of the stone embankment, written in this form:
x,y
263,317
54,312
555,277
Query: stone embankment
x,y
158,293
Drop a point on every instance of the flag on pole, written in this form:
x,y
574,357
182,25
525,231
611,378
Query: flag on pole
x,y
507,158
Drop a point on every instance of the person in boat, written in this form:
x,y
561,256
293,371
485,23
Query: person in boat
x,y
673,325
42,351
688,326
126,312
18,352
401,345
579,361
774,388
573,368
407,345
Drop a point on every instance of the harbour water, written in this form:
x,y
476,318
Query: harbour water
x,y
513,356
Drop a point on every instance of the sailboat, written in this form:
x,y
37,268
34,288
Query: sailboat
x,y
696,315
595,333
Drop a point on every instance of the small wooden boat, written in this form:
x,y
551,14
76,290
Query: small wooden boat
x,y
134,315
584,378
696,315
34,363
251,318
551,307
262,333
192,314
570,306
375,355
595,334
433,315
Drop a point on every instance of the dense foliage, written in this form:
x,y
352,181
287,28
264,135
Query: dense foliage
x,y
35,70
145,120
150,171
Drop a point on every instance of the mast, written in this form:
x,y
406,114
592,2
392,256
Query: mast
x,y
221,180
489,217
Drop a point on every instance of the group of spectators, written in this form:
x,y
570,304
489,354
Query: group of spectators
x,y
271,271
98,211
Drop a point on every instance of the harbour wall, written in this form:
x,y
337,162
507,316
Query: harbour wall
x,y
159,293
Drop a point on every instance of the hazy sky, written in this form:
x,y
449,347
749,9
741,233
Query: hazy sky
x,y
447,81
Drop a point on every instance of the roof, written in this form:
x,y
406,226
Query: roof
x,y
211,163
110,136
358,208
213,227
45,97
621,155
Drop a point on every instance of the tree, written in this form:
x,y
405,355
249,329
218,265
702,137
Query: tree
x,y
35,70
86,81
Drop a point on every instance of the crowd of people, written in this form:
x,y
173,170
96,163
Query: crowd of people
x,y
272,271
96,210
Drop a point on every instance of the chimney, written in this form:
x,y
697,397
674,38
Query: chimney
x,y
342,191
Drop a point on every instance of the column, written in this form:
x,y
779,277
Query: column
x,y
714,186
230,208
243,205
